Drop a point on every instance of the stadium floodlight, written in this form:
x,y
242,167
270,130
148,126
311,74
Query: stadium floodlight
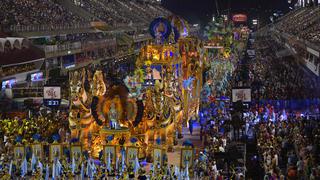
x,y
254,21
271,18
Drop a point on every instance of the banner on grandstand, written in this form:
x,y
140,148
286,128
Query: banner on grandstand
x,y
239,18
52,96
241,94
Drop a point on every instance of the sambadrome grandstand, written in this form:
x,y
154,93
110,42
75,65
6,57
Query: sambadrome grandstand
x,y
49,37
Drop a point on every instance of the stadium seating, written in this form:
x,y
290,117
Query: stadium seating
x,y
303,23
27,12
52,13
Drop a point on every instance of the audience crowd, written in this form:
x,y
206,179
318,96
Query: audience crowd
x,y
272,77
303,23
288,146
45,124
35,12
221,157
116,12
50,12
17,69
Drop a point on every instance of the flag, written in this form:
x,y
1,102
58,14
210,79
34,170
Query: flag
x,y
187,171
53,170
180,177
59,168
176,170
117,163
82,172
10,168
89,170
93,168
136,165
24,167
122,161
109,163
33,162
73,165
47,172
40,166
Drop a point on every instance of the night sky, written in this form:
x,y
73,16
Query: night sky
x,y
201,11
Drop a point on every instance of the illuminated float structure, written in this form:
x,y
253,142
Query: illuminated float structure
x,y
193,55
151,105
162,67
219,38
224,45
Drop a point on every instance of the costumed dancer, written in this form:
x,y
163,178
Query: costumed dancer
x,y
131,170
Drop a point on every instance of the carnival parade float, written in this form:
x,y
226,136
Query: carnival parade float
x,y
140,116
223,46
149,107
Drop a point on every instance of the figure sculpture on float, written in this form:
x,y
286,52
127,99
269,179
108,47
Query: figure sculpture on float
x,y
80,115
99,87
159,33
113,117
134,84
81,120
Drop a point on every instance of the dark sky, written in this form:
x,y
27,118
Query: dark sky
x,y
201,11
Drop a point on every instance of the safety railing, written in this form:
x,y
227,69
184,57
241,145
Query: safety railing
x,y
85,45
27,92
